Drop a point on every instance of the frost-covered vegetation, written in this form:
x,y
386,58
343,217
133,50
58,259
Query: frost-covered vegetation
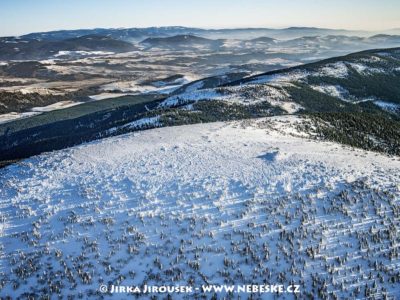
x,y
362,130
249,202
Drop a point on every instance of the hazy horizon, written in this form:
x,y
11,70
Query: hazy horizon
x,y
21,17
206,28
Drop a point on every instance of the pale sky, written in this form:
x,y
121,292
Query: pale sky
x,y
25,16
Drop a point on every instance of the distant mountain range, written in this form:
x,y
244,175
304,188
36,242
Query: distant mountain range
x,y
138,34
61,44
342,42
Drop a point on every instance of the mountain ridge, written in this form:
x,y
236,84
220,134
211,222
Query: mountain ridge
x,y
29,49
139,33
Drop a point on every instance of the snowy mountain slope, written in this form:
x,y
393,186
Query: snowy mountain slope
x,y
365,76
247,202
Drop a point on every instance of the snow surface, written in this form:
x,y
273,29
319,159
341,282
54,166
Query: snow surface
x,y
281,78
138,124
4,118
365,70
176,82
55,106
103,96
333,90
194,86
393,107
336,70
81,53
126,88
196,95
238,203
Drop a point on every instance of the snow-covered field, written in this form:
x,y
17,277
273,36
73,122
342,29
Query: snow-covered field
x,y
82,53
4,118
249,202
55,106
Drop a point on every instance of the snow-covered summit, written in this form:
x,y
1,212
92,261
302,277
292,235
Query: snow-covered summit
x,y
251,202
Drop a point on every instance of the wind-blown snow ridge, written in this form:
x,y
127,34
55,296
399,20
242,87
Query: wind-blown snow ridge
x,y
243,203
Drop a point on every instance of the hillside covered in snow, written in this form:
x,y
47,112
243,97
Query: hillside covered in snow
x,y
244,202
370,76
